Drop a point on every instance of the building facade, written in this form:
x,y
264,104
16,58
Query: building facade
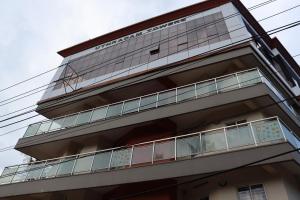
x,y
196,104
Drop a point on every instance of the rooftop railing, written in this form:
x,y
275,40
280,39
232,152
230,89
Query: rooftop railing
x,y
245,135
176,95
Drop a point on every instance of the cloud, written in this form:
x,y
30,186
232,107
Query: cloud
x,y
33,31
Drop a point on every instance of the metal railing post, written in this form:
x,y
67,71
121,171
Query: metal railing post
x,y
153,149
110,159
216,85
157,94
130,162
195,87
139,105
92,163
253,135
226,140
175,148
238,80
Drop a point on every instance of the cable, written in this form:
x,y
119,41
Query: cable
x,y
127,55
177,35
296,55
71,131
285,27
18,83
208,176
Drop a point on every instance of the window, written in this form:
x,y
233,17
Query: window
x,y
154,51
254,192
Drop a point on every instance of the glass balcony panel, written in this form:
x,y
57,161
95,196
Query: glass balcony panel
x,y
57,124
187,146
66,166
148,102
21,174
83,163
44,127
213,141
227,83
35,171
186,93
164,150
206,88
290,135
114,110
101,161
32,130
267,131
121,158
240,135
50,169
69,121
166,98
99,114
131,106
8,174
84,117
142,154
249,78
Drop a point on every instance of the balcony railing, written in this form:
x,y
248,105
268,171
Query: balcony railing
x,y
245,135
176,95
139,104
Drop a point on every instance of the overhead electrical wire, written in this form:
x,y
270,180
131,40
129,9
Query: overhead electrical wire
x,y
278,29
39,91
110,77
26,80
205,25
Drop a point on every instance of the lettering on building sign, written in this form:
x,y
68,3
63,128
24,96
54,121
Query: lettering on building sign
x,y
134,35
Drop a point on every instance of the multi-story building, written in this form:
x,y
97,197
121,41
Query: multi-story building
x,y
195,104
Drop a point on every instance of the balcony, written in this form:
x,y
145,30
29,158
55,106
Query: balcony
x,y
173,96
252,134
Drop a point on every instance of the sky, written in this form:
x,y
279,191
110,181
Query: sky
x,y
33,31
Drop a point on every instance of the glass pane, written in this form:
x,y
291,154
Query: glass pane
x,y
66,166
249,78
206,88
99,113
227,83
32,130
50,169
44,127
244,193
142,154
120,158
267,130
114,110
239,136
8,174
56,124
101,160
83,163
289,135
213,141
131,106
35,171
165,98
70,121
186,93
148,102
83,117
258,192
164,150
187,146
21,174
